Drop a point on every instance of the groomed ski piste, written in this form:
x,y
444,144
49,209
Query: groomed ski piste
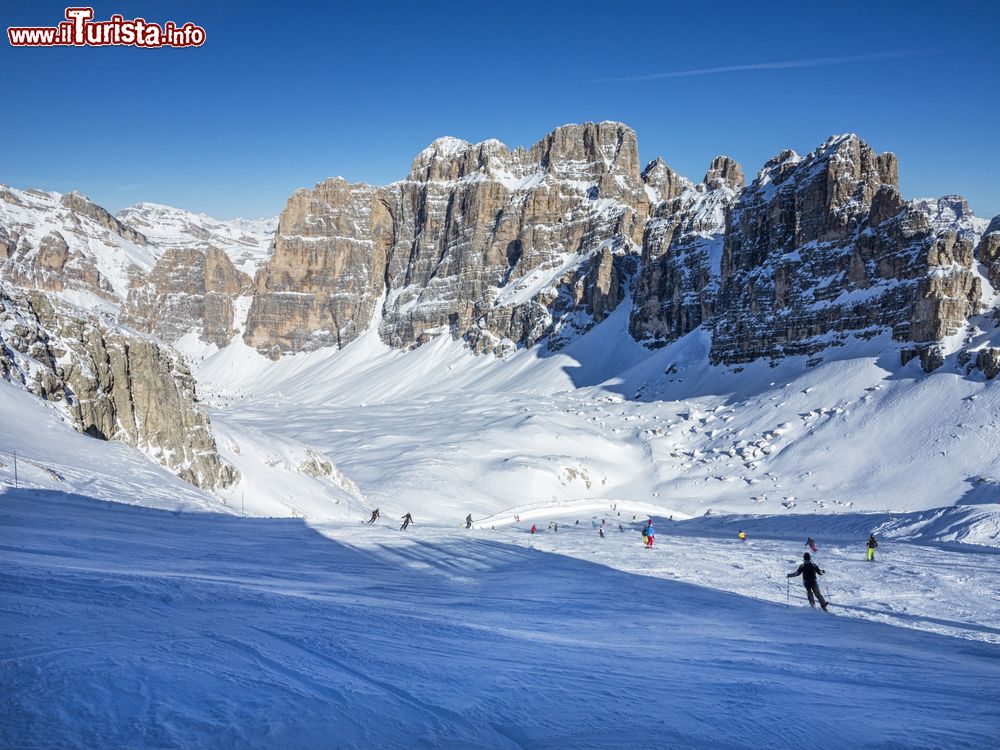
x,y
137,611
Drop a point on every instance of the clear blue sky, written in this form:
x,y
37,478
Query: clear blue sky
x,y
284,95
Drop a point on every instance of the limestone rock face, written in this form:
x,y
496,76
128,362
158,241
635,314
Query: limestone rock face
x,y
479,242
80,205
188,289
988,251
110,384
724,172
68,245
820,248
681,250
663,183
324,282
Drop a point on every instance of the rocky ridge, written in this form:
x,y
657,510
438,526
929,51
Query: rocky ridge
x,y
110,384
509,248
505,248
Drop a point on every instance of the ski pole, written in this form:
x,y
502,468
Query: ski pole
x,y
788,591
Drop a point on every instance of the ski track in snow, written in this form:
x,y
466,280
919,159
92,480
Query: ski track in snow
x,y
196,628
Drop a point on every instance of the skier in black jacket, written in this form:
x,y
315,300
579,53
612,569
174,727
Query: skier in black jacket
x,y
872,546
809,570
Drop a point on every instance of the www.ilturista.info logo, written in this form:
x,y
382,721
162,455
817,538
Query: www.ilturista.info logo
x,y
80,30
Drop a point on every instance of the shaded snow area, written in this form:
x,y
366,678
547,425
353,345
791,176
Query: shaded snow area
x,y
131,627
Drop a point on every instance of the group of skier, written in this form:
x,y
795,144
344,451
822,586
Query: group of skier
x,y
808,570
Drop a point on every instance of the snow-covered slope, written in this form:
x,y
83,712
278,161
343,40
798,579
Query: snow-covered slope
x,y
246,241
65,244
130,627
442,432
278,476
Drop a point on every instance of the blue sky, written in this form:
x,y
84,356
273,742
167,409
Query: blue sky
x,y
284,95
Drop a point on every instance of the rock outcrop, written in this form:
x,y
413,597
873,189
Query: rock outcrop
x,y
110,384
81,206
724,172
988,251
678,283
324,282
479,241
823,247
187,290
66,244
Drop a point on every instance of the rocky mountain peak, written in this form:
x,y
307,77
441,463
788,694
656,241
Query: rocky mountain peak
x,y
80,204
451,158
724,171
589,151
665,183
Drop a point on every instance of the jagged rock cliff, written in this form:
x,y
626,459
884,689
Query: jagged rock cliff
x,y
483,242
988,251
507,248
681,250
187,290
67,244
324,281
111,385
823,247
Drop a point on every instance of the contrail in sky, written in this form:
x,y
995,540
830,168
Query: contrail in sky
x,y
813,62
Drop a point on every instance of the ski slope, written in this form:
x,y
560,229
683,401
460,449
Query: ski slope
x,y
125,626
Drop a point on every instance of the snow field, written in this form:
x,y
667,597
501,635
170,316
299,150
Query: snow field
x,y
133,627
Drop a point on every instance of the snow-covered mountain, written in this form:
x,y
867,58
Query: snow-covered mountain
x,y
67,245
577,273
549,340
247,242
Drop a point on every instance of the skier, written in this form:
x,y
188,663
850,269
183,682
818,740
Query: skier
x,y
650,534
811,544
621,528
809,570
601,532
593,523
375,515
555,527
742,535
468,521
645,535
872,545
517,518
534,529
407,520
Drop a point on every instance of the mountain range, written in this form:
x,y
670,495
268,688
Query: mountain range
x,y
120,320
